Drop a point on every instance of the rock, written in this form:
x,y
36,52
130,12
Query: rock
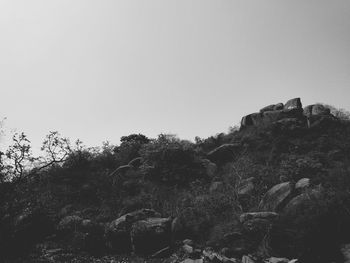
x,y
187,249
150,235
210,168
253,119
277,260
117,232
224,153
136,162
216,187
268,108
278,106
293,104
272,107
270,117
246,186
316,110
302,184
319,109
258,215
274,199
302,201
188,242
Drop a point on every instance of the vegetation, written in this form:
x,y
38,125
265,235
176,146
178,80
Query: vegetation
x,y
174,178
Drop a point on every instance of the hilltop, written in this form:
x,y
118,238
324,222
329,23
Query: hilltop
x,y
276,188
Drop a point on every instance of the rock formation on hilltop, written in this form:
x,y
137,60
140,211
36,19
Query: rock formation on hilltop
x,y
291,111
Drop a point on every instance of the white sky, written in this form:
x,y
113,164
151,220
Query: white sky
x,y
98,70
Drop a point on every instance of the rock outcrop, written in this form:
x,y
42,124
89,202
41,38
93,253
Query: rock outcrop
x,y
273,113
117,232
275,197
292,111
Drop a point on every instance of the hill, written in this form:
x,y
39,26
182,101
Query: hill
x,y
276,188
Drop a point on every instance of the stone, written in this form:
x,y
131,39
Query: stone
x,y
117,233
297,204
258,215
308,110
293,104
278,106
224,153
151,235
187,249
268,108
302,183
272,107
275,197
246,186
252,119
187,242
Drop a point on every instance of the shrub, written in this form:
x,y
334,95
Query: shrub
x,y
169,161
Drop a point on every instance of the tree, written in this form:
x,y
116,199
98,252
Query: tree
x,y
129,147
19,155
56,149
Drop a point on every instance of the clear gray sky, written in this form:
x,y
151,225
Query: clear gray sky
x,y
98,70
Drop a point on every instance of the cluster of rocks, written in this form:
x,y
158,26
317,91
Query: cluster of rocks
x,y
143,232
290,112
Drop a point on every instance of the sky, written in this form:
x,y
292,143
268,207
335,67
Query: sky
x,y
98,70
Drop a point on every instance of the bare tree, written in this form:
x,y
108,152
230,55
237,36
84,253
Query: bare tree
x,y
19,155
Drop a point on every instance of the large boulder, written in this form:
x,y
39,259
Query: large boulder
x,y
302,184
224,153
275,198
270,216
316,109
272,107
117,233
293,104
151,235
255,227
303,201
252,119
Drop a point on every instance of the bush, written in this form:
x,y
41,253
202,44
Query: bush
x,y
169,161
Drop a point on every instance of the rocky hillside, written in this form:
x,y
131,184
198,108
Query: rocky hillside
x,y
275,190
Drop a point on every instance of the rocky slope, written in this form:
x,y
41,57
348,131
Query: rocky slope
x,y
276,190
